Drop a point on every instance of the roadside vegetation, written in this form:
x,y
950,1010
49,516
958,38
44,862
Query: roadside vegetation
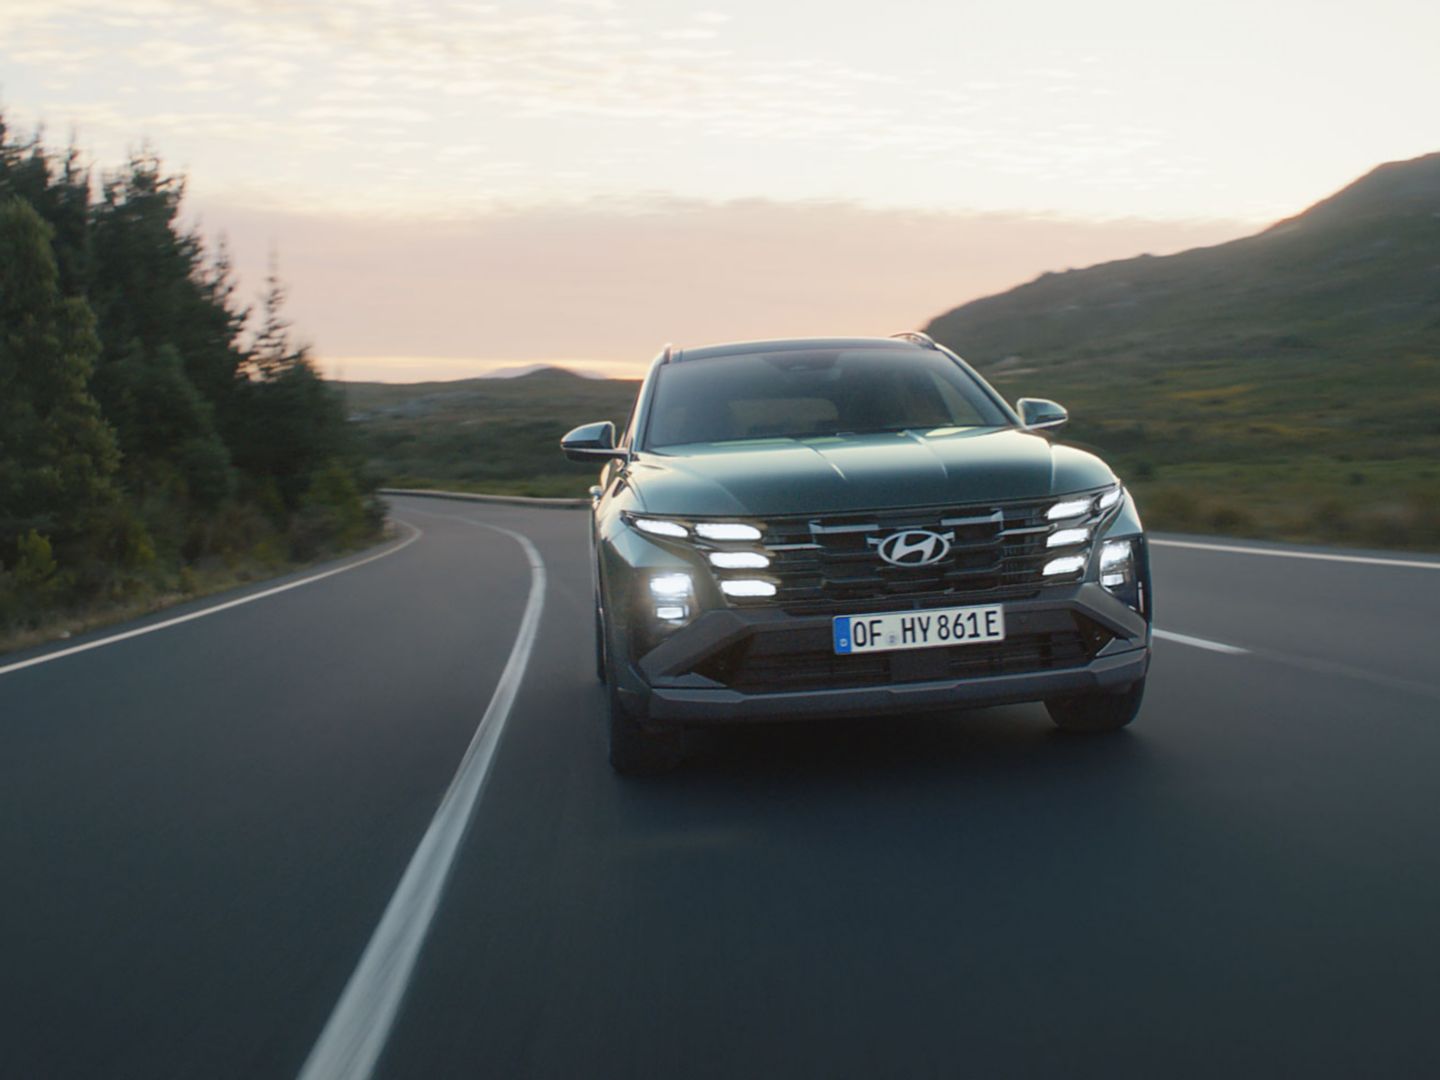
x,y
158,438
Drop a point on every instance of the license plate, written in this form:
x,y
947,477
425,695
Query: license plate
x,y
918,629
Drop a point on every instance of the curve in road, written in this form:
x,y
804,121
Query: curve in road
x,y
202,829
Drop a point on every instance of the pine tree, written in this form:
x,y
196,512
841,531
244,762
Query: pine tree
x,y
271,353
57,454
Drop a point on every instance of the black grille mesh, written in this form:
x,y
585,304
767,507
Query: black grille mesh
x,y
828,565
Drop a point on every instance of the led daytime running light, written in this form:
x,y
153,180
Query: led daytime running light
x,y
1066,564
747,587
660,527
726,530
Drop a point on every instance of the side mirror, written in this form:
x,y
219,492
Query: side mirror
x,y
1040,413
591,442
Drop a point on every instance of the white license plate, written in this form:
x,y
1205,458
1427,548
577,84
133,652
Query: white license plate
x,y
918,629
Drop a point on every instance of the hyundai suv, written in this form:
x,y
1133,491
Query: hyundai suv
x,y
853,527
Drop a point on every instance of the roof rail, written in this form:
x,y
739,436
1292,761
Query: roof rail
x,y
916,337
667,353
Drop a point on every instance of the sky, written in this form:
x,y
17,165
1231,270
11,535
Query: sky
x,y
449,187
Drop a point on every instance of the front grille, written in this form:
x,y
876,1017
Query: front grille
x,y
776,663
827,565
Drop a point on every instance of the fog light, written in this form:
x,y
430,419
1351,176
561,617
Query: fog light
x,y
1066,564
739,560
747,587
672,612
726,530
1066,537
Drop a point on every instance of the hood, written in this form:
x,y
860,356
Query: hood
x,y
841,474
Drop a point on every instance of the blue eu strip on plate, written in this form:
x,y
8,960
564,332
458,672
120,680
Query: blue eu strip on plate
x,y
841,627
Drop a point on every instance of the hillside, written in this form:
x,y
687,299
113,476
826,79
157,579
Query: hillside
x,y
483,434
1284,384
1357,272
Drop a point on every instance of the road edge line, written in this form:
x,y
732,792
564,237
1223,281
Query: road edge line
x,y
1200,643
125,635
355,1035
1320,556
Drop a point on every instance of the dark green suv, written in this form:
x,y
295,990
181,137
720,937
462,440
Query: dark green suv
x,y
859,526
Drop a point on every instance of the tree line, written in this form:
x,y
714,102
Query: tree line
x,y
152,426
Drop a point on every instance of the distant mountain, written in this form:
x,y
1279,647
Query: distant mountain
x,y
525,371
1355,276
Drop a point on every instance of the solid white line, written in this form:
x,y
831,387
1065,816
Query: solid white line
x,y
357,1030
1200,643
60,654
1366,560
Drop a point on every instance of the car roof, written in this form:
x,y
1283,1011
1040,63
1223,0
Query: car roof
x,y
740,348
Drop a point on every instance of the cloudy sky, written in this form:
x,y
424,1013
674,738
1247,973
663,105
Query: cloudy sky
x,y
455,185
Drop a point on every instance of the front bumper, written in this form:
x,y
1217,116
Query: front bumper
x,y
679,682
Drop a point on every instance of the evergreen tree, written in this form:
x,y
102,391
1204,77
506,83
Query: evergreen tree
x,y
132,414
296,423
57,454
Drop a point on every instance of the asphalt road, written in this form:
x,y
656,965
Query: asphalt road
x,y
201,828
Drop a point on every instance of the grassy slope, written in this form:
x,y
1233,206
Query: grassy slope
x,y
1283,385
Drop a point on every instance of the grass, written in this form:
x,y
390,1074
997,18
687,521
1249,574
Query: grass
x,y
1280,448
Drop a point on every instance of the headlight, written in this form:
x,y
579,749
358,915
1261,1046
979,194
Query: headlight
x,y
673,596
1118,572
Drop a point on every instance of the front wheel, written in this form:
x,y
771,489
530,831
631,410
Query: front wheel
x,y
1097,712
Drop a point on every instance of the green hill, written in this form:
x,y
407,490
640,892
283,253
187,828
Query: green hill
x,y
1286,384
496,435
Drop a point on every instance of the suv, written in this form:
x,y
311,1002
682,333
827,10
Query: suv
x,y
857,526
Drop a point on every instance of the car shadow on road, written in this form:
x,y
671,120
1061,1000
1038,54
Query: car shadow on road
x,y
998,791
934,745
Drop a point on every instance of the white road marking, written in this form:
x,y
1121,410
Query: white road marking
x,y
1200,643
357,1030
1365,560
415,534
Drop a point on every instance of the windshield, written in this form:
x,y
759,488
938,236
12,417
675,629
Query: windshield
x,y
814,393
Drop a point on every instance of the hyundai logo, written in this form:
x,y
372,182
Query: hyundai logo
x,y
914,547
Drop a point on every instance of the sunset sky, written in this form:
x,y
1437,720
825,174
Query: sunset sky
x,y
454,186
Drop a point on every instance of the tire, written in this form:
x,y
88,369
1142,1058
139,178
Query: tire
x,y
1097,712
635,751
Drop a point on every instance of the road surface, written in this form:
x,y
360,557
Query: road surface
x,y
202,828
